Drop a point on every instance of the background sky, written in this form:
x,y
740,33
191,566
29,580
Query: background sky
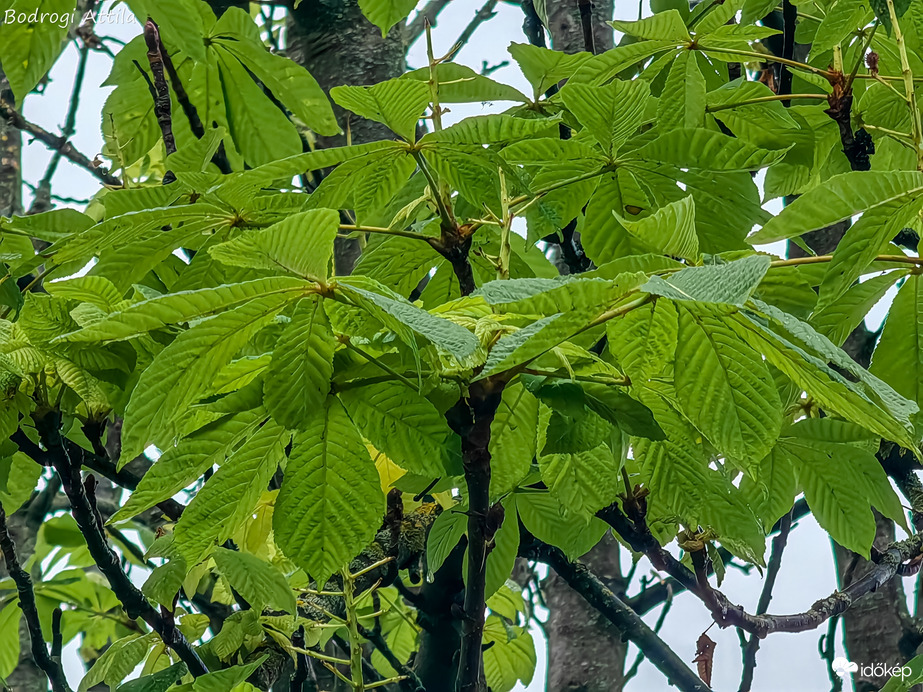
x,y
785,661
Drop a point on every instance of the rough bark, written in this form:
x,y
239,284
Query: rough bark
x,y
567,29
585,651
10,160
338,45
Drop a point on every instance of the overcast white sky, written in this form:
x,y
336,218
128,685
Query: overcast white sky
x,y
786,661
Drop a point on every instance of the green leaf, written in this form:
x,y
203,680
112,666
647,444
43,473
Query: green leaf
x,y
184,369
898,358
731,283
222,680
228,498
260,583
118,661
330,504
449,336
492,129
838,320
260,130
397,103
289,82
509,657
837,199
30,43
160,681
842,19
179,466
682,103
405,426
550,522
828,375
386,13
772,493
611,113
707,150
883,12
583,481
513,440
298,378
460,84
301,244
165,581
725,387
862,243
841,483
443,536
670,229
544,67
397,262
664,26
182,307
502,556
10,615
531,341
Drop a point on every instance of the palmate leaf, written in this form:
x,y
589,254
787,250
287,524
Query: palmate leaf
x,y
288,81
664,26
898,358
228,498
837,199
772,493
460,84
682,486
298,378
670,229
510,656
551,522
841,483
725,387
182,371
28,49
118,661
513,439
397,103
544,67
401,316
330,504
301,244
682,103
405,426
862,242
261,132
178,308
707,150
731,283
583,481
260,583
181,465
857,396
611,113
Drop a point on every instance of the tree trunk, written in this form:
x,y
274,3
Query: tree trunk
x,y
585,651
334,41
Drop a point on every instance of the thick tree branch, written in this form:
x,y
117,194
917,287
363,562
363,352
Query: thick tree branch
x,y
618,613
90,523
49,666
56,143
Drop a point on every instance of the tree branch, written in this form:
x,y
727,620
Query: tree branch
x,y
56,143
726,614
584,582
162,106
83,508
772,571
49,666
428,14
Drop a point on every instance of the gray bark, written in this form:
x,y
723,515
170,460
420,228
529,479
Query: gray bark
x,y
585,651
567,30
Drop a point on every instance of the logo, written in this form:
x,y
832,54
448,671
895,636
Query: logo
x,y
843,667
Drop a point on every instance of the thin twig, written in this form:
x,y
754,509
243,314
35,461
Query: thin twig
x,y
428,14
57,143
